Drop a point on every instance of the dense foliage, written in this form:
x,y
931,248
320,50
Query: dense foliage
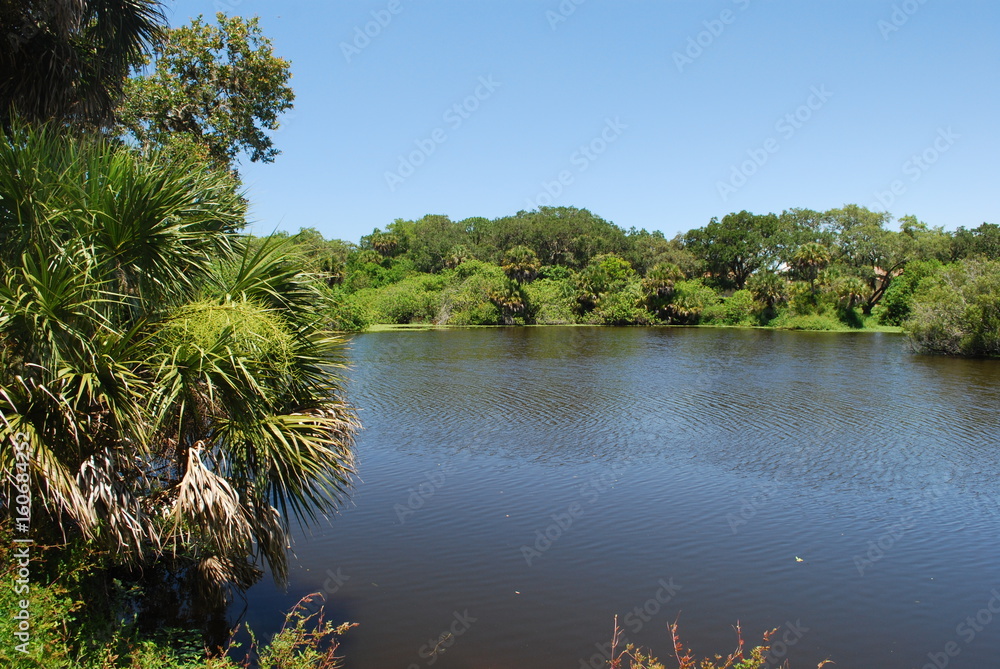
x,y
846,268
956,311
174,384
169,390
210,89
68,60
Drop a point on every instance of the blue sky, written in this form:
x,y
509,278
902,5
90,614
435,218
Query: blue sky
x,y
653,114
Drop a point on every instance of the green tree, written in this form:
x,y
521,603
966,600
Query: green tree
x,y
604,274
850,291
511,300
386,244
427,242
926,243
804,226
520,264
457,255
217,89
809,260
558,236
873,253
738,245
68,60
658,288
648,249
897,303
176,387
770,290
326,258
957,312
691,299
983,242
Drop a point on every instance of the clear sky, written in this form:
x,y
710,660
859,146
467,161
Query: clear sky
x,y
654,114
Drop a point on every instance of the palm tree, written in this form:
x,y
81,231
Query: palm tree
x,y
68,60
510,299
659,286
386,243
177,386
809,260
520,264
458,254
851,292
768,288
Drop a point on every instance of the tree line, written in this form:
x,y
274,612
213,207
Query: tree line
x,y
844,268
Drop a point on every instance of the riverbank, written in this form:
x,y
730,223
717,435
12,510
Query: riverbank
x,y
412,327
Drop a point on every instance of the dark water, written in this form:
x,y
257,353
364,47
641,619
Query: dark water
x,y
677,472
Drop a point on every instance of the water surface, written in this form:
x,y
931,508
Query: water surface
x,y
677,473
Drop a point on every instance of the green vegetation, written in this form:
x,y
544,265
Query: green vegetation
x,y
843,269
209,89
69,61
170,393
82,617
956,311
175,387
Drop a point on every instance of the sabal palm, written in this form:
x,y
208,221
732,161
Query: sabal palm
x,y
809,260
177,389
658,287
520,264
68,59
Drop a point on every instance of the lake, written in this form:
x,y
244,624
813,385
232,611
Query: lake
x,y
520,487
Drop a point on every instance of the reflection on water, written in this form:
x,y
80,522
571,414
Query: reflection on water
x,y
522,486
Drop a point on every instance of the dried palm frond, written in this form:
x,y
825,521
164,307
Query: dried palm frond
x,y
208,508
216,575
102,480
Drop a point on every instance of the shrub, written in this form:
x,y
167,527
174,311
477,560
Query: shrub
x,y
897,303
957,312
822,322
366,269
247,328
690,299
623,307
413,300
346,312
82,619
768,288
551,301
468,300
738,309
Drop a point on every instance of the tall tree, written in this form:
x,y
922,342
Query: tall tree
x,y
67,60
873,253
738,245
520,264
809,260
219,89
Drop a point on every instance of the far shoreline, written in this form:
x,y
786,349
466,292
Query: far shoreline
x,y
415,327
